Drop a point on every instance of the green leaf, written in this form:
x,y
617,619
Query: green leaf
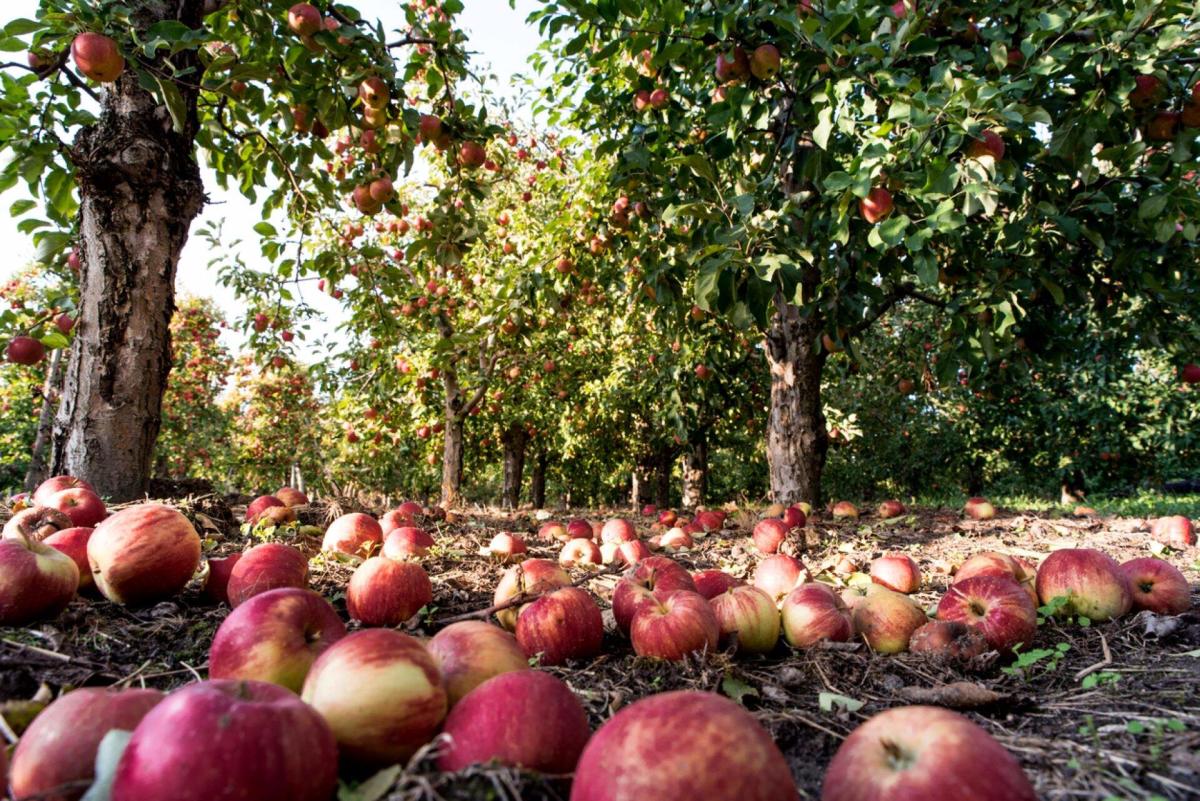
x,y
173,100
1152,207
823,128
54,340
737,689
827,701
373,788
107,756
265,229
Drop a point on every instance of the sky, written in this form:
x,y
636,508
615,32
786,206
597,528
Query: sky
x,y
500,42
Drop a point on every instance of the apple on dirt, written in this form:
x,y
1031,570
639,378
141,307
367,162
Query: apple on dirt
x,y
748,617
1175,530
143,554
73,542
386,592
406,542
1157,585
844,510
1089,582
291,496
266,567
712,582
216,585
979,509
996,605
37,581
769,534
35,523
673,624
506,548
949,641
897,572
356,534
81,505
637,587
530,578
886,620
565,624
470,652
580,552
813,613
779,574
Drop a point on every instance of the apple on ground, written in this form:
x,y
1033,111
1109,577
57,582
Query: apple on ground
x,y
779,574
52,486
710,520
561,625
673,624
580,528
143,554
266,567
1176,531
82,506
73,542
216,586
406,542
1090,580
769,534
530,578
470,652
618,530
649,510
949,640
711,583
857,590
748,617
386,592
403,515
997,606
676,539
813,613
887,620
381,693
923,752
794,517
580,551
637,586
523,719
556,531
59,746
1157,585
291,496
668,517
35,523
506,548
705,746
896,572
890,509
356,534
256,508
844,510
229,739
994,563
979,509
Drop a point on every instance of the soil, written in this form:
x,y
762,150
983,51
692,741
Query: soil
x,y
1115,714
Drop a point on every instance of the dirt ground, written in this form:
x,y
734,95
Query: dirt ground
x,y
1109,711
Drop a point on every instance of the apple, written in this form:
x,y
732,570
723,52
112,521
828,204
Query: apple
x,y
950,640
1090,580
97,57
36,581
24,350
523,719
1163,126
649,510
886,620
530,578
259,505
711,583
580,528
385,592
765,62
73,542
668,517
506,548
1157,585
618,530
709,520
82,506
1147,91
748,616
923,752
580,551
997,606
355,533
1190,374
374,92
472,155
778,575
769,534
979,509
216,586
877,205
813,613
676,539
223,740
304,19
890,509
59,747
406,542
732,66
673,624
291,497
470,652
897,572
266,567
143,554
844,510
659,98
274,636
561,625
705,746
35,523
625,553
993,563
52,486
554,530
637,586
1176,531
794,517
989,143
853,595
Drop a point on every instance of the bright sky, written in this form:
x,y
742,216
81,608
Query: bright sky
x,y
499,39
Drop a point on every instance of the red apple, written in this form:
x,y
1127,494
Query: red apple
x,y
923,752
59,747
555,531
530,578
1090,580
705,746
143,554
711,583
355,533
992,563
778,575
625,553
636,587
24,350
844,510
506,548
618,530
877,205
1176,531
748,616
73,542
274,636
580,528
890,509
1157,585
216,586
385,592
659,98
813,613
949,640
374,92
97,57
1190,374
765,62
470,652
732,66
709,520
35,523
525,719
769,534
52,486
259,505
676,539
794,517
979,509
997,606
989,143
406,542
1147,91
649,510
266,567
897,572
472,155
668,517
291,497
561,625
578,552
36,581
887,620
82,506
225,740
673,624
304,19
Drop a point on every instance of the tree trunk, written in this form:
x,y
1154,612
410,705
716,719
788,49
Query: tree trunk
x,y
514,440
695,471
140,189
37,472
537,482
663,461
796,438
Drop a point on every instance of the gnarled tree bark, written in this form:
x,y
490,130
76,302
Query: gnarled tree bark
x,y
514,440
695,470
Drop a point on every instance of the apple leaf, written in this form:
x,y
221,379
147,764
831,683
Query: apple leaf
x,y
373,788
827,701
107,756
737,689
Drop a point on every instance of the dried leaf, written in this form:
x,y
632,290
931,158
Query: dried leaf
x,y
958,695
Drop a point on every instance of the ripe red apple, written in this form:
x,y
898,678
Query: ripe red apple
x,y
748,616
406,542
844,510
890,509
618,530
709,520
705,746
506,548
887,620
304,19
291,497
897,572
769,534
381,693
143,554
989,143
992,563
374,92
1190,374
25,350
778,575
355,533
1147,91
216,586
526,719
403,515
813,613
877,205
732,66
580,528
676,539
36,581
997,606
470,652
224,740
52,486
59,747
561,625
82,506
1163,126
711,583
625,553
923,752
979,509
1176,531
668,517
950,640
73,542
765,62
554,530
274,636
472,155
259,505
636,587
97,57
794,517
659,98
386,592
673,624
578,552
1090,580
35,523
1157,585
266,567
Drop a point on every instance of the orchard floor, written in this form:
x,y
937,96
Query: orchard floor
x,y
1116,714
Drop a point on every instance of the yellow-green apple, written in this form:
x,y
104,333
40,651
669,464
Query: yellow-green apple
x,y
794,517
259,505
406,542
304,19
1175,530
673,624
275,636
266,567
748,617
35,523
618,530
229,739
1157,585
732,66
381,693
813,613
82,506
889,509
470,652
56,756
73,542
996,605
989,143
355,533
949,640
580,552
769,534
386,592
580,528
52,486
886,620
705,747
993,563
765,62
506,548
523,719
779,574
216,586
637,586
561,625
143,554
844,510
896,571
923,752
711,583
36,581
291,496
979,509
877,205
530,578
1090,580
554,530
98,57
